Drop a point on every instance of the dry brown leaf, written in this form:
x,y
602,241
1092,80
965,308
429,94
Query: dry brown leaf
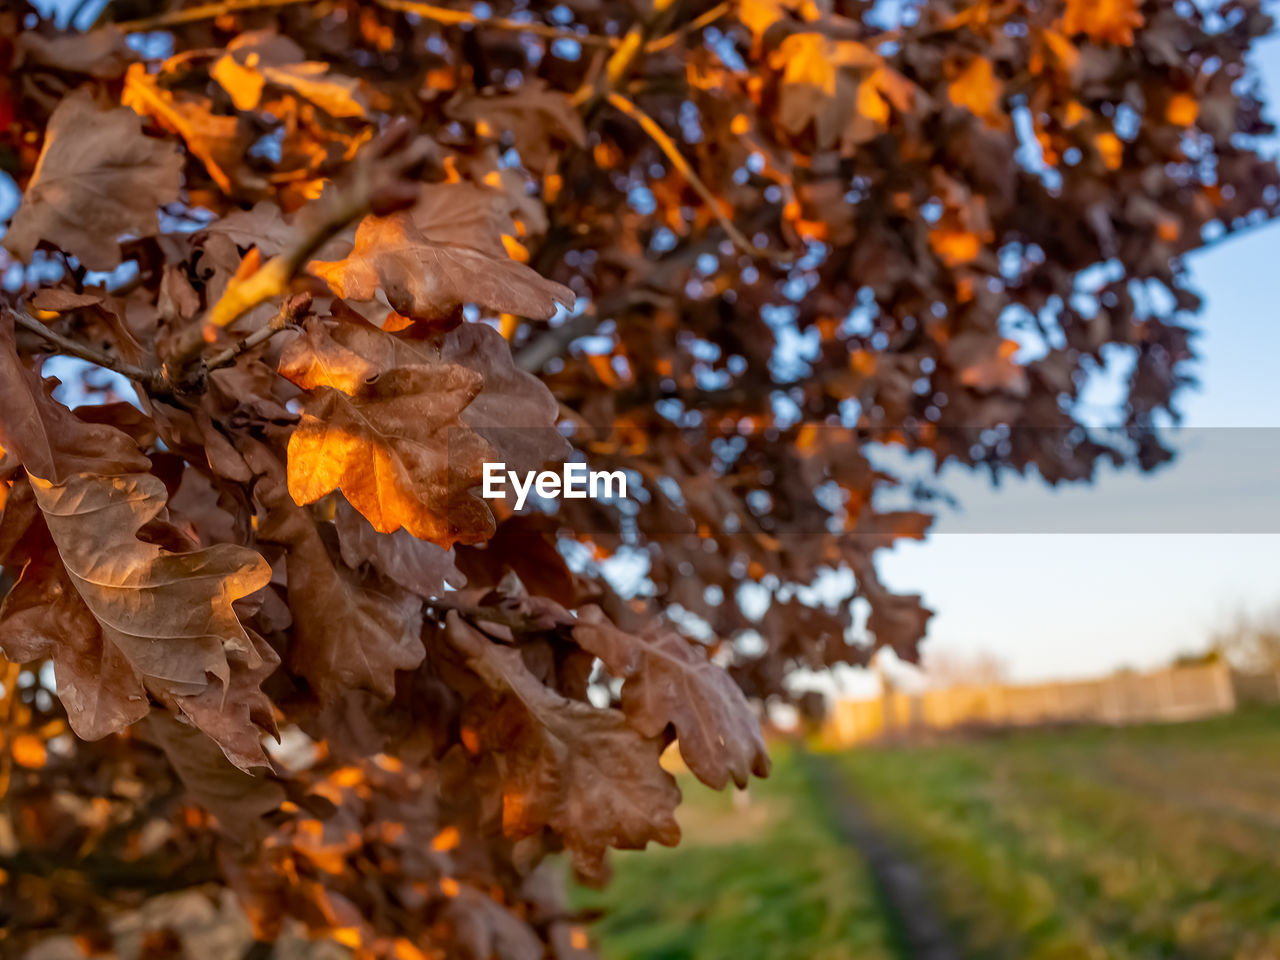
x,y
414,564
538,117
395,447
43,616
429,281
1105,21
257,58
168,613
97,177
484,928
238,799
514,412
103,53
466,214
582,771
668,679
346,634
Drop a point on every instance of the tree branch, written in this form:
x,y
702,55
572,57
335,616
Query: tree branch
x,y
206,11
79,350
379,182
693,26
427,11
290,312
668,146
448,17
623,57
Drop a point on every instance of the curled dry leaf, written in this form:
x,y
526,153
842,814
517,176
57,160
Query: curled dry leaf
x,y
98,177
346,633
168,613
431,281
582,771
43,616
398,452
103,53
414,564
260,57
237,799
667,679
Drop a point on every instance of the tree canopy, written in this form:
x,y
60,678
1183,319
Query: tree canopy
x,y
262,632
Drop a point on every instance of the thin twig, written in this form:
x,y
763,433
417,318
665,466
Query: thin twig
x,y
206,11
693,26
624,56
290,312
74,348
668,146
448,17
378,181
427,11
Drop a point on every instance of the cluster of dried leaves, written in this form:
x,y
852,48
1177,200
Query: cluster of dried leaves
x,y
262,632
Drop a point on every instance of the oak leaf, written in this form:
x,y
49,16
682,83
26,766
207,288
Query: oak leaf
x,y
1104,21
538,118
43,616
346,634
667,679
169,613
257,58
582,771
104,53
431,281
415,565
514,411
393,443
97,177
238,799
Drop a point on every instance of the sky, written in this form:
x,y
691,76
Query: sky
x,y
1064,605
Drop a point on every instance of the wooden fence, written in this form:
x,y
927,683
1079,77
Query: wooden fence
x,y
1173,694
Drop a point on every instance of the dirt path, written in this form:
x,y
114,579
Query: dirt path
x,y
923,934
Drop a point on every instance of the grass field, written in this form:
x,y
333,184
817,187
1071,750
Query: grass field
x,y
1151,842
767,882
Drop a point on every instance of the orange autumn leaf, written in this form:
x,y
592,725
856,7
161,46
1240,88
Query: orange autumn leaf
x,y
955,247
977,89
1182,109
1110,148
29,751
1103,21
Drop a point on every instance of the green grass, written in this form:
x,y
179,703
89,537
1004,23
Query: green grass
x,y
1148,842
768,882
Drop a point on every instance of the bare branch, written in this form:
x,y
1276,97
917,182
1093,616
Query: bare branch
x,y
668,146
378,182
693,26
73,348
448,17
290,312
428,11
206,11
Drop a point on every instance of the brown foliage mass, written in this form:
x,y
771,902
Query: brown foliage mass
x,y
263,634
